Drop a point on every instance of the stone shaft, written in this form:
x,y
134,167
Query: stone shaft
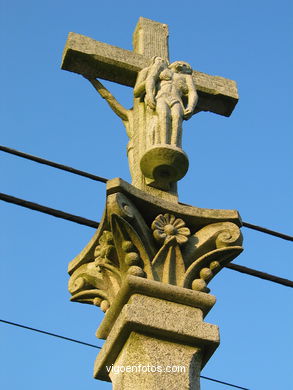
x,y
156,364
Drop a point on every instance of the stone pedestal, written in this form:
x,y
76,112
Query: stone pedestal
x,y
156,337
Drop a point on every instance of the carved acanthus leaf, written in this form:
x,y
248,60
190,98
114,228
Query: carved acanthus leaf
x,y
168,265
132,253
118,204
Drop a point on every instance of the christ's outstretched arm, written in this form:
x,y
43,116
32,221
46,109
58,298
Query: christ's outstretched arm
x,y
119,110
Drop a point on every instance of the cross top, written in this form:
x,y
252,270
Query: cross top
x,y
164,95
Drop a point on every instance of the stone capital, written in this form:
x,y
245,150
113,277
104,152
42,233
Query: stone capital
x,y
154,239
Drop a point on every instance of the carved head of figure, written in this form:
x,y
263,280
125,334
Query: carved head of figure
x,y
181,67
157,60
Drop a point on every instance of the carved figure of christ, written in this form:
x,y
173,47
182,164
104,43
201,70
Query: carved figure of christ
x,y
99,60
165,87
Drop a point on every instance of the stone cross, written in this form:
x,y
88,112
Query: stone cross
x,y
95,59
150,261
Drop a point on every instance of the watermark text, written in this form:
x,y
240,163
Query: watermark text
x,y
140,368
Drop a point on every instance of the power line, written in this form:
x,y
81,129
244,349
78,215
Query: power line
x,y
104,180
48,210
267,231
52,164
95,224
259,274
223,383
49,334
96,346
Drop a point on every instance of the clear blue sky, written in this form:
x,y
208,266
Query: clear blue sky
x,y
242,162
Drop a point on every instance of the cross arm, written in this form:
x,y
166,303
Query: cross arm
x,y
216,94
87,56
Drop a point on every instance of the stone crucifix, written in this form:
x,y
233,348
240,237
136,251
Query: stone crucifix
x,y
164,95
149,263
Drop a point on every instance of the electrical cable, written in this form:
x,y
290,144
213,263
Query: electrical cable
x,y
48,210
223,383
267,231
49,334
96,346
52,164
259,274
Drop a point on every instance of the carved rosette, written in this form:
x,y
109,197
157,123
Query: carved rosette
x,y
163,248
